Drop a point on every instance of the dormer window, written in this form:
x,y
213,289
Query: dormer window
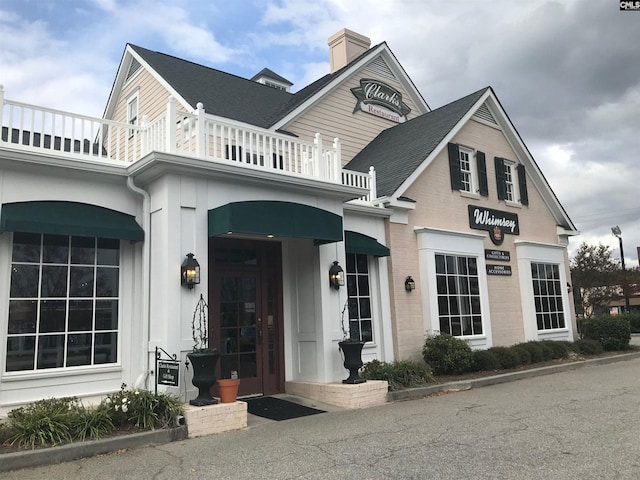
x,y
272,79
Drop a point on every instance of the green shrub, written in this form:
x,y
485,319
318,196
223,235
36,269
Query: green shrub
x,y
535,350
558,349
634,321
400,374
587,347
59,420
523,354
45,422
484,360
507,357
613,333
92,423
142,408
447,355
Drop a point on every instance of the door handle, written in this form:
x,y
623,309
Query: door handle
x,y
259,330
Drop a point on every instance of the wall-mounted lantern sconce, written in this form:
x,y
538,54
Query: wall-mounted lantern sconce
x,y
336,276
190,271
569,288
409,284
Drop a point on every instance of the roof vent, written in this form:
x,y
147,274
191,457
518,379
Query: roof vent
x,y
483,113
272,79
344,46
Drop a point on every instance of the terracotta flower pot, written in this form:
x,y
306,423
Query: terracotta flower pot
x,y
228,389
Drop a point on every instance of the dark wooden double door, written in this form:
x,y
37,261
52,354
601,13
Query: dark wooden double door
x,y
245,307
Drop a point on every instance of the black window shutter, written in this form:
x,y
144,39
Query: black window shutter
x,y
482,174
454,167
501,181
522,180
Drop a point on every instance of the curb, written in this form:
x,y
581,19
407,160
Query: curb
x,y
414,393
89,448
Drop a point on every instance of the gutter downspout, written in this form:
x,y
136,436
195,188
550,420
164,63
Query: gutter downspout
x,y
141,381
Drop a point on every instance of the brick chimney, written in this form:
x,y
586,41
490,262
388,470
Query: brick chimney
x,y
344,46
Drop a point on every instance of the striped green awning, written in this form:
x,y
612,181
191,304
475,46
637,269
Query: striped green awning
x,y
69,218
280,219
358,243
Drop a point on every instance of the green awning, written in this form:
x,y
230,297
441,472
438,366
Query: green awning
x,y
358,243
280,219
69,218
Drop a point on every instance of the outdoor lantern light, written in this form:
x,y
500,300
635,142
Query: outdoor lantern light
x,y
409,284
190,271
336,276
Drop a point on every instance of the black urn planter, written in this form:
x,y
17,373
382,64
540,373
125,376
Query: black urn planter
x,y
204,376
352,360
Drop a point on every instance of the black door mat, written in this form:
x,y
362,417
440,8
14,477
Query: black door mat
x,y
277,409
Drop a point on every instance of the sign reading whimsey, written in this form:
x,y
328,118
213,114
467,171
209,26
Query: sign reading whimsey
x,y
501,255
499,270
378,98
496,222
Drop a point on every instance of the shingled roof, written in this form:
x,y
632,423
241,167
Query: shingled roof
x,y
221,93
231,96
398,151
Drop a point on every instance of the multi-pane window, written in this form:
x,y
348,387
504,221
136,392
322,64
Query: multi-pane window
x,y
466,175
509,182
458,287
547,295
132,112
360,317
63,302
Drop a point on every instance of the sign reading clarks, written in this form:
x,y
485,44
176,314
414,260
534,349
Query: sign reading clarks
x,y
378,98
496,222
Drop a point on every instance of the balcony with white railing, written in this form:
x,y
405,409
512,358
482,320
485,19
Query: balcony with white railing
x,y
56,133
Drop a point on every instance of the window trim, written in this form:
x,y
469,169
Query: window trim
x,y
370,296
92,368
526,253
431,241
133,120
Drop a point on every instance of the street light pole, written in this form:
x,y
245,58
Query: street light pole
x,y
625,288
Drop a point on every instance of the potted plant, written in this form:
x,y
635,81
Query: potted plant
x,y
352,350
228,388
202,357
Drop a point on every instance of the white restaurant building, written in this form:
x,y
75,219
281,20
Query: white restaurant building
x,y
267,189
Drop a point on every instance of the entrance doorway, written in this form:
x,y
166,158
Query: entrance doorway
x,y
245,307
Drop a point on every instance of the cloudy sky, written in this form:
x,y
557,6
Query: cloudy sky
x,y
566,71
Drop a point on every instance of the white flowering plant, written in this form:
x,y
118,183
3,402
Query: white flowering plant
x,y
142,409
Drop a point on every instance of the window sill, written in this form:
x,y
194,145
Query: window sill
x,y
512,204
68,372
474,196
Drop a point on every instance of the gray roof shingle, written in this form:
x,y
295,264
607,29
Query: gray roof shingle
x,y
398,151
221,93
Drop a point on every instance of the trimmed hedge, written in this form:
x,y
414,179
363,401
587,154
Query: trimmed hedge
x,y
613,333
400,374
587,347
447,355
507,356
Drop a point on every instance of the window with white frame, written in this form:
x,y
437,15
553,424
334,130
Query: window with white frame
x,y
547,294
359,302
63,302
466,170
458,289
132,112
509,183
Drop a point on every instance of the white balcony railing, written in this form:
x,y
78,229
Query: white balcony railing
x,y
55,132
